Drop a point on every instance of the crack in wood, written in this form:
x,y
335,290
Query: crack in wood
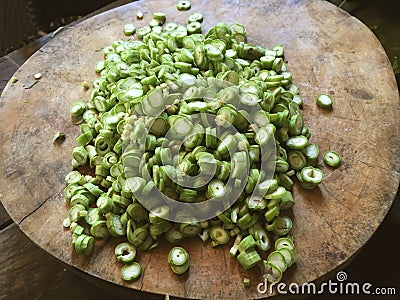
x,y
224,255
346,118
185,292
39,206
143,273
353,111
333,196
378,166
340,202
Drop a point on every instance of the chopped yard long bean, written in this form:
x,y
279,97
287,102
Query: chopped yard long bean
x,y
332,158
183,5
129,29
131,271
324,101
125,252
192,116
178,259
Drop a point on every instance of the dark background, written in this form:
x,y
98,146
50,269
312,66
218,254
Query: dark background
x,y
24,21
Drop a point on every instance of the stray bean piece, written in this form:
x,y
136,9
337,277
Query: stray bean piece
x,y
246,282
324,101
37,76
129,29
59,137
332,158
139,15
183,5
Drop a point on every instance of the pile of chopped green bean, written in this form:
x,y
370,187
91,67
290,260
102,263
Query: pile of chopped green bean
x,y
158,84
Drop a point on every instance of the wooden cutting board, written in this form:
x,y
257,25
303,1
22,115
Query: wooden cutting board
x,y
327,50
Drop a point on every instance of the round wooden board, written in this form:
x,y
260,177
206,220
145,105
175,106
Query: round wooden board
x,y
327,50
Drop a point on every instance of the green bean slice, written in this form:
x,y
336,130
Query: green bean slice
x,y
193,27
219,235
278,260
125,252
296,159
324,101
284,225
332,158
248,259
311,175
131,271
183,5
195,17
297,142
271,272
178,256
129,29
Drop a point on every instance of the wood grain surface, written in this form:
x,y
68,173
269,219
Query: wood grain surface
x,y
327,50
19,272
4,218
